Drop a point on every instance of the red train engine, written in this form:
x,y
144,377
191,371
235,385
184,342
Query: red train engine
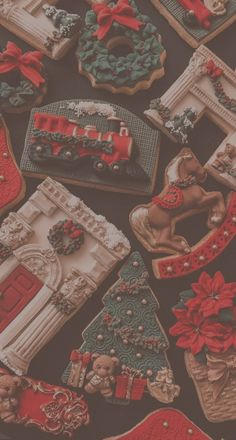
x,y
65,142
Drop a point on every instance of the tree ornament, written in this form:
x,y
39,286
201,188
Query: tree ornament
x,y
136,339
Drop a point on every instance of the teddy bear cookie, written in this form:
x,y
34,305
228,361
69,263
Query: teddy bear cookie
x,y
101,378
23,81
34,403
120,50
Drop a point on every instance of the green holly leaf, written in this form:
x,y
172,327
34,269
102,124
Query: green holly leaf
x,y
226,315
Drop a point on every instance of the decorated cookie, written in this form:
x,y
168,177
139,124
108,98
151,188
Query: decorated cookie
x,y
207,86
52,31
12,185
182,197
34,403
198,21
164,424
222,164
23,82
124,349
92,143
120,49
54,253
206,331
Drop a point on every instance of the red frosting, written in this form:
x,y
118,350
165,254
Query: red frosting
x,y
165,424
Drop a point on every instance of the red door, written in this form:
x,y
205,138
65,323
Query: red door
x,y
16,291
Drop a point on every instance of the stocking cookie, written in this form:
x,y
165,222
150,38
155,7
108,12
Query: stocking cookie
x,y
23,82
197,22
119,49
54,253
12,185
206,330
124,349
164,424
52,31
34,403
207,86
183,196
94,144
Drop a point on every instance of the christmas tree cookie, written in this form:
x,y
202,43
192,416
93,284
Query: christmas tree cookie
x,y
124,349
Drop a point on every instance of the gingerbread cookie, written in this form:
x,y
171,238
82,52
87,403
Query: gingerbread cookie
x,y
182,197
23,81
206,331
164,424
124,349
120,50
52,31
54,253
34,403
94,144
12,185
197,22
206,87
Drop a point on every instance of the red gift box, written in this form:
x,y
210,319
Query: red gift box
x,y
129,388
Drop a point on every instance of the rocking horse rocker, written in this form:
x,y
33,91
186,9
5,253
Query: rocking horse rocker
x,y
182,197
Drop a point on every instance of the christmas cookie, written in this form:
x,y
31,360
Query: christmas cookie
x,y
206,331
23,82
52,31
164,424
12,185
54,253
222,164
92,143
207,86
36,404
120,50
183,196
124,349
198,22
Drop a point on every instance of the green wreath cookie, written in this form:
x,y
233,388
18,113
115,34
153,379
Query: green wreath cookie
x,y
120,49
23,81
66,237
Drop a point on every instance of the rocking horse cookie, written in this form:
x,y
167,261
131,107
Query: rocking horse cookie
x,y
182,197
198,21
12,185
119,49
23,80
52,31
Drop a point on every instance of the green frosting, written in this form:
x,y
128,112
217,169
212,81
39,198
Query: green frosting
x,y
127,70
18,96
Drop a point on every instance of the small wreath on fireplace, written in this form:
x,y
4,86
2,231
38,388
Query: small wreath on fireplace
x,y
66,237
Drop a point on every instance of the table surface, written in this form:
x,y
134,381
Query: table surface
x,y
65,83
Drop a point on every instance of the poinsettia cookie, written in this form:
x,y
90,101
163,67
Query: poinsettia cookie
x,y
34,403
206,317
164,424
23,81
120,50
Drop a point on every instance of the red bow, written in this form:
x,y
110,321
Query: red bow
x,y
213,70
28,64
122,13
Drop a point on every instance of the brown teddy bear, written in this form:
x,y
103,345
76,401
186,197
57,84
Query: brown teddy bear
x,y
101,377
9,386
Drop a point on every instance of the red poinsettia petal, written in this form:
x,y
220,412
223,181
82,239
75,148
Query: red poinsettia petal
x,y
193,303
197,344
181,314
218,282
180,328
208,307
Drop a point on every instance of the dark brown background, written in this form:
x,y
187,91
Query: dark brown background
x,y
107,420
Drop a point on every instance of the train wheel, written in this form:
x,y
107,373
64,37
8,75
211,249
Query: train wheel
x,y
99,165
40,152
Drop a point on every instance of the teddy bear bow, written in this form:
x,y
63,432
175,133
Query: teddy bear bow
x,y
219,371
122,13
28,64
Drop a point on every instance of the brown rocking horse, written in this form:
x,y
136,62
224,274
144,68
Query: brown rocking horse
x,y
182,196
